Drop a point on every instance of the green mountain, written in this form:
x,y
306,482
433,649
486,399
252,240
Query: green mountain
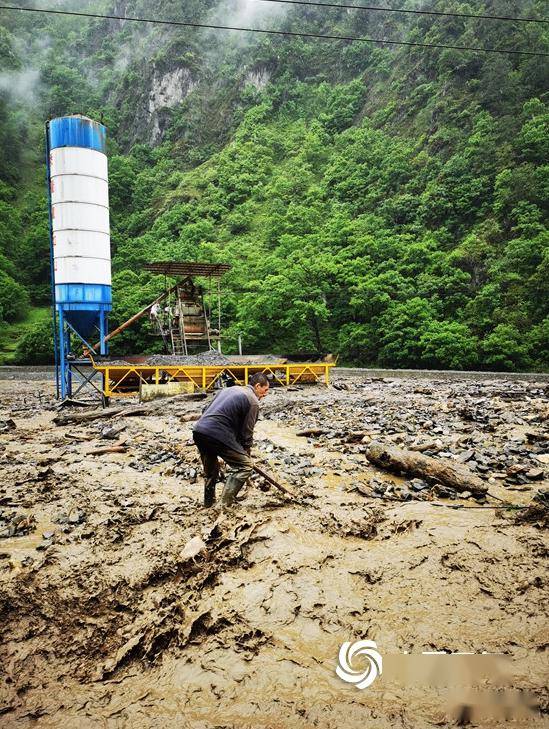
x,y
384,202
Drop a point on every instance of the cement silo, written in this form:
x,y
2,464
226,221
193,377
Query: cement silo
x,y
80,238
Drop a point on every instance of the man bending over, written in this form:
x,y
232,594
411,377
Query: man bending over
x,y
226,429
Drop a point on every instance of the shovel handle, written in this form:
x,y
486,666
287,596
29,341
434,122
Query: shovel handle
x,y
271,480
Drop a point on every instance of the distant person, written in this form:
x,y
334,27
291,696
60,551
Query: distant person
x,y
226,430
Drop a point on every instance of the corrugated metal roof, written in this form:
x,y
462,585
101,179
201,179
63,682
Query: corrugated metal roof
x,y
187,268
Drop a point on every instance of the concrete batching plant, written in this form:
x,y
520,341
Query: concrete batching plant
x,y
80,243
81,287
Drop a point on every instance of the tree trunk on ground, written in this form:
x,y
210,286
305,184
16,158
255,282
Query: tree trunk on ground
x,y
446,472
74,418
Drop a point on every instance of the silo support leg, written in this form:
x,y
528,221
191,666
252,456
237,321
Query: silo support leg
x,y
63,351
103,346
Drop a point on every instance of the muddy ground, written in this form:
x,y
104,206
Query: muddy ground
x,y
125,603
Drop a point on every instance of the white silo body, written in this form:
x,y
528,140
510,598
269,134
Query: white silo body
x,y
80,214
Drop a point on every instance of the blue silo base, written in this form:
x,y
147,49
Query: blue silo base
x,y
85,384
79,320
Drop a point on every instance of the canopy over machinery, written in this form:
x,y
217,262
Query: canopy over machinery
x,y
180,315
188,268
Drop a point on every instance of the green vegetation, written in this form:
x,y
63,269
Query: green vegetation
x,y
15,339
388,205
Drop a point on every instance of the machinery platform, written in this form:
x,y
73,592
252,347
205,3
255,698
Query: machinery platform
x,y
121,380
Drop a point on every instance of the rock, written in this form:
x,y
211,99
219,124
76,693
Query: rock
x,y
19,525
542,496
6,425
514,470
445,492
536,437
76,516
417,484
542,457
48,535
422,447
192,549
111,433
465,456
535,474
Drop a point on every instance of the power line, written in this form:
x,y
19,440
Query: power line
x,y
292,34
412,12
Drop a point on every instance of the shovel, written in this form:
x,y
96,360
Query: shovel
x,y
274,483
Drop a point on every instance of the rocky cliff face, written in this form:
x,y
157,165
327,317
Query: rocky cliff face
x,y
158,90
166,91
259,78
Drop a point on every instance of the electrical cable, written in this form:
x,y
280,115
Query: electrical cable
x,y
412,12
293,34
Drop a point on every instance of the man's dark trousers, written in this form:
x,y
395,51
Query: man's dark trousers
x,y
241,466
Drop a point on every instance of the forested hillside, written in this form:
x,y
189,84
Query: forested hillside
x,y
386,203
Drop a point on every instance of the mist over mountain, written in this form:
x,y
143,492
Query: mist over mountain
x,y
387,203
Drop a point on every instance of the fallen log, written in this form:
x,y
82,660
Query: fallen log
x,y
442,470
70,418
107,449
311,431
152,409
78,438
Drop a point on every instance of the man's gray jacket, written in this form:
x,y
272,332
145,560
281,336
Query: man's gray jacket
x,y
230,418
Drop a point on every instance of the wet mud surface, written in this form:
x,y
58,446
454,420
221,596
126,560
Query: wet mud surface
x,y
124,602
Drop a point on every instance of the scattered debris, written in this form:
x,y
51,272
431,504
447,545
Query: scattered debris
x,y
107,449
110,433
192,549
19,525
311,432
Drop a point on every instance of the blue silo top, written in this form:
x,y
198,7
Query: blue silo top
x,y
77,131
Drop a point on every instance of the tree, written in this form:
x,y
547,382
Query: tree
x,y
448,345
505,349
538,345
36,346
401,328
14,299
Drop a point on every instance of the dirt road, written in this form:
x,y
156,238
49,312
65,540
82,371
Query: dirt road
x,y
124,602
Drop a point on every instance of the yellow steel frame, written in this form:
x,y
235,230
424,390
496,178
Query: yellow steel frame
x,y
204,378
